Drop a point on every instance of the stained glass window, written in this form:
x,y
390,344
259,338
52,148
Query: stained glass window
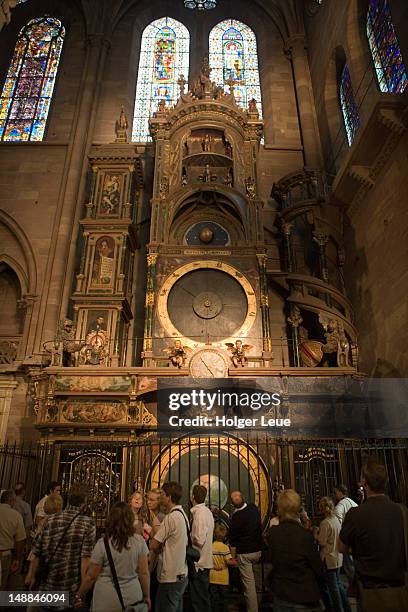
x,y
164,57
27,91
233,54
349,108
385,50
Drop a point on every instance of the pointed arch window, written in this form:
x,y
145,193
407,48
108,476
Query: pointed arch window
x,y
164,57
234,54
385,50
348,104
27,92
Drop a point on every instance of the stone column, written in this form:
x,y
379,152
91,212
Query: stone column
x,y
149,305
266,324
7,386
295,320
322,240
295,49
286,230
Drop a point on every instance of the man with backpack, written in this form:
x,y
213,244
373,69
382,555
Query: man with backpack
x,y
62,549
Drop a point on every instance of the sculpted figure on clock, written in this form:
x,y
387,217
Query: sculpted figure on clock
x,y
238,350
177,354
66,336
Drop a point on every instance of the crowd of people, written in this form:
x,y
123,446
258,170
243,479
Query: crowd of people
x,y
154,556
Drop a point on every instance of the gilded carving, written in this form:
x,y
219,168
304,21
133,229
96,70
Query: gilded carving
x,y
238,352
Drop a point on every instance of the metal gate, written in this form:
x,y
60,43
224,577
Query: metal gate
x,y
257,466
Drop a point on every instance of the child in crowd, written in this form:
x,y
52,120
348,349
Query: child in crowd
x,y
219,575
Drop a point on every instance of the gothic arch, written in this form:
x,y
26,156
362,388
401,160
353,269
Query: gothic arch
x,y
17,253
234,206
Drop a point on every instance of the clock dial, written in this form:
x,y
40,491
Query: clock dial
x,y
207,233
208,363
207,304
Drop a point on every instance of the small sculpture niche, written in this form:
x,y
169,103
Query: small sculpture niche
x,y
227,146
229,178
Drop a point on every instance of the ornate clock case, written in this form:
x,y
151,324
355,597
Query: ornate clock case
x,y
206,272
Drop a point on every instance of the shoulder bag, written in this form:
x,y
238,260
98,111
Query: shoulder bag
x,y
138,606
192,554
388,599
44,566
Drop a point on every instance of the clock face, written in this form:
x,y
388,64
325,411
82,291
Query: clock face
x,y
207,305
208,363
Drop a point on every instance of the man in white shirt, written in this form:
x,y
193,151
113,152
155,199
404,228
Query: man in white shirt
x,y
39,513
171,539
202,531
343,502
12,540
343,505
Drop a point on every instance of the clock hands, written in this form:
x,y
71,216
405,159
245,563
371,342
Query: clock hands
x,y
187,291
210,371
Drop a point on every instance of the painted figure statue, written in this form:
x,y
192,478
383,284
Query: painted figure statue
x,y
238,353
177,354
67,344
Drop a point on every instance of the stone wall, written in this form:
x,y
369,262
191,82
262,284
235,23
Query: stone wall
x,y
376,228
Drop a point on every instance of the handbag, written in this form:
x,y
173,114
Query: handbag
x,y
43,565
192,554
138,606
388,599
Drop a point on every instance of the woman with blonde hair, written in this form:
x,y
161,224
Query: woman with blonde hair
x,y
138,507
327,535
296,566
118,567
155,513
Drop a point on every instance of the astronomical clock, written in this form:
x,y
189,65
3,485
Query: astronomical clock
x,y
206,285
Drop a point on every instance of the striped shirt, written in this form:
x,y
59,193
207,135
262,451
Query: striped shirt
x,y
77,544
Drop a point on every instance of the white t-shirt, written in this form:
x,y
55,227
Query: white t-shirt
x,y
39,509
343,507
202,531
172,533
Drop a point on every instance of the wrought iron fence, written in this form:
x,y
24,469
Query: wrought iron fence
x,y
259,466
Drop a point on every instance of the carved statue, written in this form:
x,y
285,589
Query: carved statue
x,y
164,187
206,143
184,177
161,107
121,127
227,147
182,83
334,352
238,352
177,354
65,339
203,87
250,187
229,179
252,106
206,176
